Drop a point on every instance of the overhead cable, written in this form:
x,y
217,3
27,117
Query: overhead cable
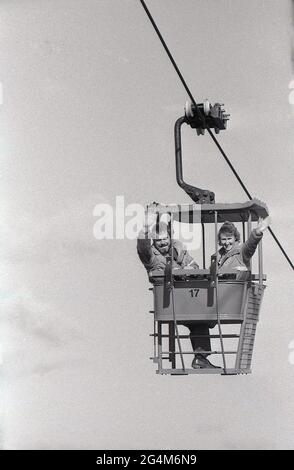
x,y
199,114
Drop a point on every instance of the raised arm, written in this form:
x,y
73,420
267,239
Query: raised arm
x,y
144,239
249,247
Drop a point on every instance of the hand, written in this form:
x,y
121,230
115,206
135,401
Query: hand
x,y
263,224
150,218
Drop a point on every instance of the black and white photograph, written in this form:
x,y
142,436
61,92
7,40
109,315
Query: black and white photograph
x,y
146,224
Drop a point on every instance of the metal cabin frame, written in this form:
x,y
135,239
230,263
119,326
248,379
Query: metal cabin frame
x,y
224,297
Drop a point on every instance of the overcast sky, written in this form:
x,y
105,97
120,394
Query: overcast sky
x,y
89,104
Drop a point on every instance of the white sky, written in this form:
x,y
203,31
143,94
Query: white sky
x,y
89,104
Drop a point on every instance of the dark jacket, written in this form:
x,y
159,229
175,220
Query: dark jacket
x,y
153,260
240,255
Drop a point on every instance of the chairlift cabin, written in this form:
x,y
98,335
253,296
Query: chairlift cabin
x,y
208,294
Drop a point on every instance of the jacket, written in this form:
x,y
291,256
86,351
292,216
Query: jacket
x,y
153,260
240,255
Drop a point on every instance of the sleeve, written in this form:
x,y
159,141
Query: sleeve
x,y
249,247
144,246
184,258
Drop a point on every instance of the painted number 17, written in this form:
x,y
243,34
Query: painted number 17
x,y
194,292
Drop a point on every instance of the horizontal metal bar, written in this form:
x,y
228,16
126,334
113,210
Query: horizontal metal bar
x,y
219,371
205,274
199,352
156,358
198,336
189,371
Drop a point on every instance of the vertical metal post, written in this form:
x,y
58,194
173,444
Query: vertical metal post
x,y
171,286
155,356
159,327
260,263
216,292
243,227
203,245
249,228
171,344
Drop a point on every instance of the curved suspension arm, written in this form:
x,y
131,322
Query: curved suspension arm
x,y
199,196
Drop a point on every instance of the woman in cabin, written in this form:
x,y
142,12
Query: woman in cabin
x,y
234,255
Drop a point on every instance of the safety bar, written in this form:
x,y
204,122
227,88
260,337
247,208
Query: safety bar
x,y
197,336
200,352
206,273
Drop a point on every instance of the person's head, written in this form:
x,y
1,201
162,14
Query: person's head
x,y
228,236
161,237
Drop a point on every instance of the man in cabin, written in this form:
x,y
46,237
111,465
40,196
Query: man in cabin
x,y
236,256
154,246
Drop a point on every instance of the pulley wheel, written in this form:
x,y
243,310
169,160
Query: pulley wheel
x,y
189,109
206,107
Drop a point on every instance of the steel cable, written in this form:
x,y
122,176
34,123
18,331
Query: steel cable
x,y
199,114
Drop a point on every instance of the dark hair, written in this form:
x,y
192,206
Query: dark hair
x,y
229,228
